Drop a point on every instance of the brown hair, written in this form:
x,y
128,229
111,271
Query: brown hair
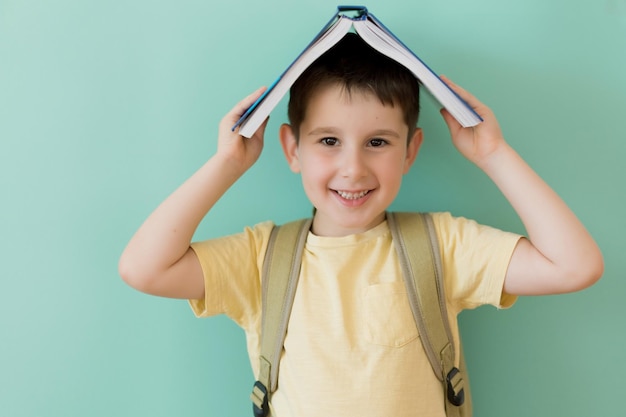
x,y
355,66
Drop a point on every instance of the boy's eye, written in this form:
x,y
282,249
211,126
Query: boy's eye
x,y
378,142
329,141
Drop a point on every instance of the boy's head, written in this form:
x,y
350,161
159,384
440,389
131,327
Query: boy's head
x,y
352,136
356,68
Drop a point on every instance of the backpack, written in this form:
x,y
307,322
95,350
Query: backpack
x,y
415,241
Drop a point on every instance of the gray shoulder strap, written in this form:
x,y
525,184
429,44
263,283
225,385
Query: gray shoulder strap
x,y
415,240
281,270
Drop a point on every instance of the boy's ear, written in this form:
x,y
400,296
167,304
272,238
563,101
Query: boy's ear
x,y
413,149
290,146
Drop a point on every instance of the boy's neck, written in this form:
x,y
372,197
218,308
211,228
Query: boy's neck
x,y
322,226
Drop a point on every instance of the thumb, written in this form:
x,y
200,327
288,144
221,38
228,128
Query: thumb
x,y
453,125
260,132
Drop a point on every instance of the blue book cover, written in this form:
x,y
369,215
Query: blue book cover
x,y
378,36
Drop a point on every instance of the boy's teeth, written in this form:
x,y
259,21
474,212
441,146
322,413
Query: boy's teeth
x,y
352,196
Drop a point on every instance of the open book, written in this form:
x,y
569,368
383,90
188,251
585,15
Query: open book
x,y
372,31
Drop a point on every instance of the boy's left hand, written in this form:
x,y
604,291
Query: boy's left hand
x,y
474,143
559,255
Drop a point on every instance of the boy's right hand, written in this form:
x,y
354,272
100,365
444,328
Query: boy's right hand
x,y
241,152
158,259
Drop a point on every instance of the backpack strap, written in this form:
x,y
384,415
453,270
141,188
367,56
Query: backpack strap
x,y
418,252
281,271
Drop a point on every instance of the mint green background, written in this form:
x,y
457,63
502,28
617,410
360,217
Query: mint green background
x,y
106,106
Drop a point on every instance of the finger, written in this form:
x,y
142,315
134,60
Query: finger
x,y
457,88
260,132
478,106
241,107
463,93
451,122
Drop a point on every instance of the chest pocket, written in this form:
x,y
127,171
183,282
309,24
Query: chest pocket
x,y
389,321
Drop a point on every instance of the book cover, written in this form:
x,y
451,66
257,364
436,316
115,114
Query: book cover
x,y
379,37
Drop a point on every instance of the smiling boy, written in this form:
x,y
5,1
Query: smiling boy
x,y
352,347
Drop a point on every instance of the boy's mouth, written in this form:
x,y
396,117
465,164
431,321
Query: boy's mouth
x,y
349,195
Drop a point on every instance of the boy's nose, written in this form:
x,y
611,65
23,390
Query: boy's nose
x,y
352,164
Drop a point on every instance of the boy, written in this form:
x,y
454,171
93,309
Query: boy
x,y
352,347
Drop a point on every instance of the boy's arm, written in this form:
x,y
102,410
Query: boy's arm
x,y
158,259
559,255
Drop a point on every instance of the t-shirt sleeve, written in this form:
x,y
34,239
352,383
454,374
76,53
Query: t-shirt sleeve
x,y
475,259
231,266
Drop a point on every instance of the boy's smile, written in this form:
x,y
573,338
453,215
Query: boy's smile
x,y
352,153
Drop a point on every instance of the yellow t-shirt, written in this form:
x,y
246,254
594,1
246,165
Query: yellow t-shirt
x,y
352,346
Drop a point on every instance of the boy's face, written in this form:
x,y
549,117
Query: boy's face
x,y
352,153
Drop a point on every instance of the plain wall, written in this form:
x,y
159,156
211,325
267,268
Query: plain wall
x,y
107,106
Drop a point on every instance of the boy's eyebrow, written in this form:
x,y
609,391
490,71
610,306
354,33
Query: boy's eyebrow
x,y
333,131
323,131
